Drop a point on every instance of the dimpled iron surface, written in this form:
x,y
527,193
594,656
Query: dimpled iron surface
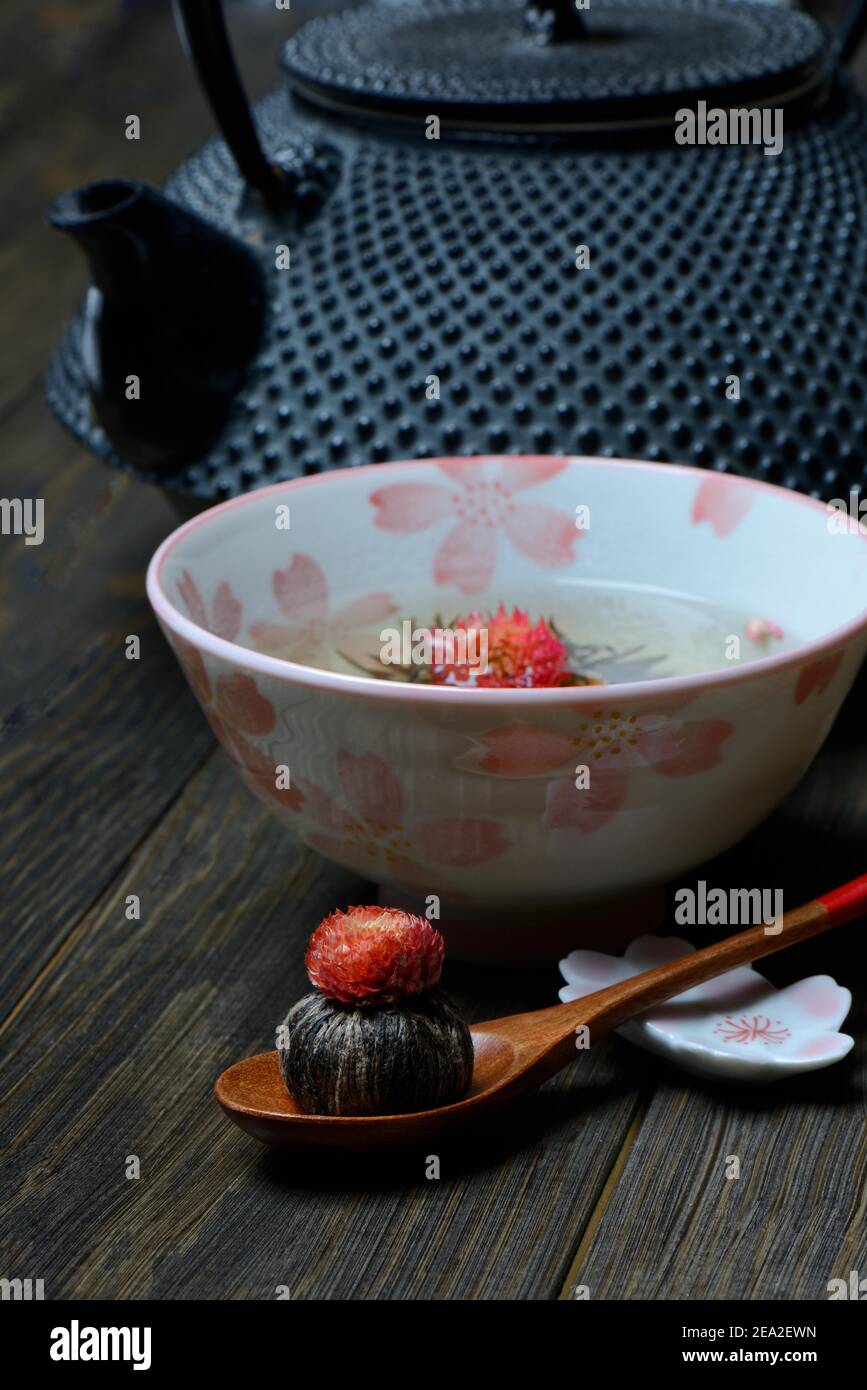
x,y
459,260
437,54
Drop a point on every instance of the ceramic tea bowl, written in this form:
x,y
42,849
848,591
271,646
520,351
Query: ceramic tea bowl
x,y
513,806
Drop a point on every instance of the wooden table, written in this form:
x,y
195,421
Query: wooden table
x,y
612,1177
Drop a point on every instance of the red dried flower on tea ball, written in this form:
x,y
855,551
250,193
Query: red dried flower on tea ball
x,y
374,955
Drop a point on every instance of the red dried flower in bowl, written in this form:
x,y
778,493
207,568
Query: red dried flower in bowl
x,y
520,653
374,955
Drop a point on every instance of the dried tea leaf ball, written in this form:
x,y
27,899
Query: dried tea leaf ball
x,y
377,1038
339,1059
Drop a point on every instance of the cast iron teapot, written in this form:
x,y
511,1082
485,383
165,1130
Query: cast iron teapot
x,y
473,226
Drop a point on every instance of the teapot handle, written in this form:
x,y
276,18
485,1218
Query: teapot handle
x,y
202,29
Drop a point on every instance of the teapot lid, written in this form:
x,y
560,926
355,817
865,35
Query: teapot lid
x,y
550,65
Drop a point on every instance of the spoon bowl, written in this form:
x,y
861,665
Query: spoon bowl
x,y
513,1055
252,1094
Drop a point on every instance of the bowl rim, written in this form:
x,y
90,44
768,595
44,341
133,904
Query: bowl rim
x,y
337,682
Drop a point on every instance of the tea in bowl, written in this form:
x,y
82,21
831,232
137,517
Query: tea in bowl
x,y
519,688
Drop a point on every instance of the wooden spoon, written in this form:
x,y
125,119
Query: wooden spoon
x,y
515,1054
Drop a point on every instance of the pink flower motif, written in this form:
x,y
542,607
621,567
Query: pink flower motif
x,y
761,630
613,744
258,772
722,501
746,1030
193,666
240,705
301,592
369,828
817,676
225,615
481,506
240,711
235,710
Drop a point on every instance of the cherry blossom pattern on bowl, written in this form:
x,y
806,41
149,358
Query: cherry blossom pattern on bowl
x,y
367,827
478,500
612,744
738,1027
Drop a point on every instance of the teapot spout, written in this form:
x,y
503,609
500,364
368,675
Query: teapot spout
x,y
173,318
94,216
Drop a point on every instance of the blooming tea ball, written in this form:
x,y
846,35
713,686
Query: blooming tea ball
x,y
377,1038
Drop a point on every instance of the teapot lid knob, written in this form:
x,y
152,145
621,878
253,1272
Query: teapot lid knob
x,y
555,21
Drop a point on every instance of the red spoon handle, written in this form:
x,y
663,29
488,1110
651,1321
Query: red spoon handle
x,y
846,903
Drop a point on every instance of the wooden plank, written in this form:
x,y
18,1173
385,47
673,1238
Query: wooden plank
x,y
676,1227
93,747
673,1225
80,788
115,1053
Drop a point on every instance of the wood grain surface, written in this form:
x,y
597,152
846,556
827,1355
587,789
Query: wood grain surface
x,y
610,1179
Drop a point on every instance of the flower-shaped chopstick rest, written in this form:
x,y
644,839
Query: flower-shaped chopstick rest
x,y
738,1026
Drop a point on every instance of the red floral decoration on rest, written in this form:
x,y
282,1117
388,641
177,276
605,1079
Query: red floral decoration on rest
x,y
519,653
374,955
